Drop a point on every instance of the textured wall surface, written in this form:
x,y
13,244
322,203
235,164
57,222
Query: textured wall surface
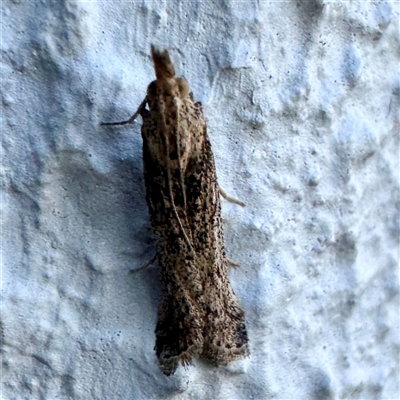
x,y
302,102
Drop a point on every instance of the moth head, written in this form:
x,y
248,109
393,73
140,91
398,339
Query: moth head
x,y
183,86
162,63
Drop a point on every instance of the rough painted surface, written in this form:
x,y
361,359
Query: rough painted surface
x,y
302,102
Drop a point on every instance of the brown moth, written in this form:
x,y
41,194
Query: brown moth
x,y
199,313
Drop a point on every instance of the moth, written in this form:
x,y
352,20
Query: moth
x,y
199,314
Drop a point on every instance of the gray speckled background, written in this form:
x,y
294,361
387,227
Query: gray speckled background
x,y
302,102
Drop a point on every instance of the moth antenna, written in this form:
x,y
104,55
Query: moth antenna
x,y
171,195
173,202
178,148
162,63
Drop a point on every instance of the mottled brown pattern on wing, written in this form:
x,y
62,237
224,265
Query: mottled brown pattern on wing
x,y
199,313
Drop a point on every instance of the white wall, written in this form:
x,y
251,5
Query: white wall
x,y
302,102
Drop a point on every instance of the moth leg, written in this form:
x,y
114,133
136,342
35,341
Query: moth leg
x,y
229,198
233,263
131,119
144,266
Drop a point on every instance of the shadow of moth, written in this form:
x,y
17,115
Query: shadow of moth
x,y
199,314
